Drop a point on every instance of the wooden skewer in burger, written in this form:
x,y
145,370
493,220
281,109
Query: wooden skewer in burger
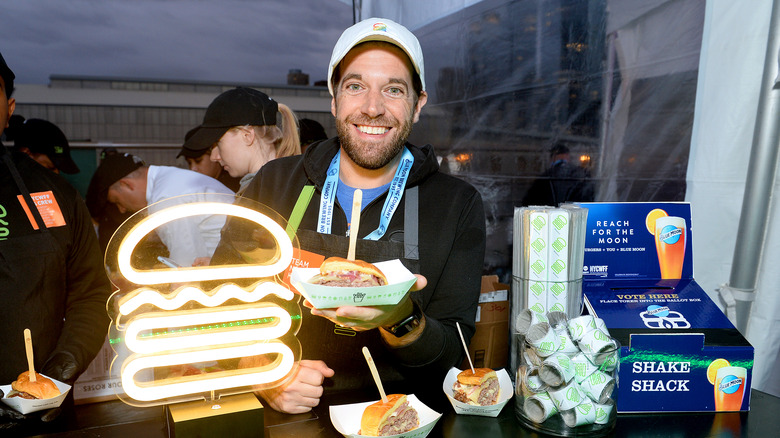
x,y
341,272
390,416
29,384
475,386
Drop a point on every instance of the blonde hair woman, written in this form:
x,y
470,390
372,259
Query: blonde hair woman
x,y
241,124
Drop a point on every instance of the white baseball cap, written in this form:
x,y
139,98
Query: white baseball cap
x,y
377,29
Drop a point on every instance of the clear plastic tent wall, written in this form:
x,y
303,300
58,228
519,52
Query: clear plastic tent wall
x,y
618,82
614,82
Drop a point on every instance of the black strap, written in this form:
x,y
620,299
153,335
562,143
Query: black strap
x,y
411,224
23,188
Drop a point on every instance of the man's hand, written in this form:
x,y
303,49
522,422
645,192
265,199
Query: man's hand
x,y
370,317
303,392
9,418
62,366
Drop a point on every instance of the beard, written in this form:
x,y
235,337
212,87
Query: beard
x,y
372,155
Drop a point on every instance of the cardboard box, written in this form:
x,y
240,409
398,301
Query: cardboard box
x,y
673,337
96,384
489,347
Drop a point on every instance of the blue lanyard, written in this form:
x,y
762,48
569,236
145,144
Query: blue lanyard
x,y
396,191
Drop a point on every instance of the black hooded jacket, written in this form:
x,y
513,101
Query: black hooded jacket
x,y
451,254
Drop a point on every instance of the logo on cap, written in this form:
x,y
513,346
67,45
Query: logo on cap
x,y
380,26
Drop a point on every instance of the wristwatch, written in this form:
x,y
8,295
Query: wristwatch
x,y
407,324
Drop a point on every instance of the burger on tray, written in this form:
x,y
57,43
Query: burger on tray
x,y
26,396
347,283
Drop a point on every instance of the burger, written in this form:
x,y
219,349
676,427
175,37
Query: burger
x,y
339,272
389,418
479,388
41,388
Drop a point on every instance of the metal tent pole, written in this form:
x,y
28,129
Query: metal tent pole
x,y
760,181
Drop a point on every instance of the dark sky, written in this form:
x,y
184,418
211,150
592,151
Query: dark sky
x,y
252,41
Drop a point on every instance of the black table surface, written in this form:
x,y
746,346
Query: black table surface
x,y
116,419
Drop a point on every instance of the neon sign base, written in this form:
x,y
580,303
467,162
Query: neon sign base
x,y
235,416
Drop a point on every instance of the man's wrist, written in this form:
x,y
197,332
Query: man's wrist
x,y
407,324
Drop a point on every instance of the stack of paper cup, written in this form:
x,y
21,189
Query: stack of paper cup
x,y
566,377
548,256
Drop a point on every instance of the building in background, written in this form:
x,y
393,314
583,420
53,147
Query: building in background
x,y
148,118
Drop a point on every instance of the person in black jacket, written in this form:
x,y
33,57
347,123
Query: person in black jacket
x,y
52,279
433,222
561,182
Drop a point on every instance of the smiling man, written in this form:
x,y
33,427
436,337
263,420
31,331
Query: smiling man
x,y
433,222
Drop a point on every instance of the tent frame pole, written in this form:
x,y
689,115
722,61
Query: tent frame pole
x,y
759,183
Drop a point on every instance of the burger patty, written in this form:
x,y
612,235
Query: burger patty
x,y
347,279
488,393
21,394
402,421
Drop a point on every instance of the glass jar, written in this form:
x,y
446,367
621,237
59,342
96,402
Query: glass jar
x,y
566,383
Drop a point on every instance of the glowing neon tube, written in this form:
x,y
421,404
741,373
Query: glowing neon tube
x,y
191,274
202,338
185,385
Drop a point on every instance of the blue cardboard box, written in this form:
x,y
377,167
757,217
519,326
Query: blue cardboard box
x,y
679,352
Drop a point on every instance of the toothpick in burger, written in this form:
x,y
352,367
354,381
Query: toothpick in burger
x,y
41,388
391,418
340,272
479,388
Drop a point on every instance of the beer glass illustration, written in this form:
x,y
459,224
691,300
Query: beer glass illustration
x,y
730,388
670,237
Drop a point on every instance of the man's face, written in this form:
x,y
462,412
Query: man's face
x,y
204,165
7,106
44,161
127,197
374,104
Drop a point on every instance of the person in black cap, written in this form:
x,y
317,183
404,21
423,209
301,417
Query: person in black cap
x,y
311,131
241,125
46,144
561,182
126,181
198,157
52,279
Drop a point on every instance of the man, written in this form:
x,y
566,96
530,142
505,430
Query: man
x,y
198,158
45,143
52,279
433,222
125,181
561,182
310,131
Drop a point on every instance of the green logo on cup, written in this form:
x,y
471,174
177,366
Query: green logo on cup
x,y
537,288
573,395
547,347
601,414
597,379
538,308
557,307
560,222
584,408
558,266
557,288
538,266
559,244
538,245
538,223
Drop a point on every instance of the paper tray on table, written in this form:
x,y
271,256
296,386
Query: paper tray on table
x,y
27,406
346,418
325,297
504,382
